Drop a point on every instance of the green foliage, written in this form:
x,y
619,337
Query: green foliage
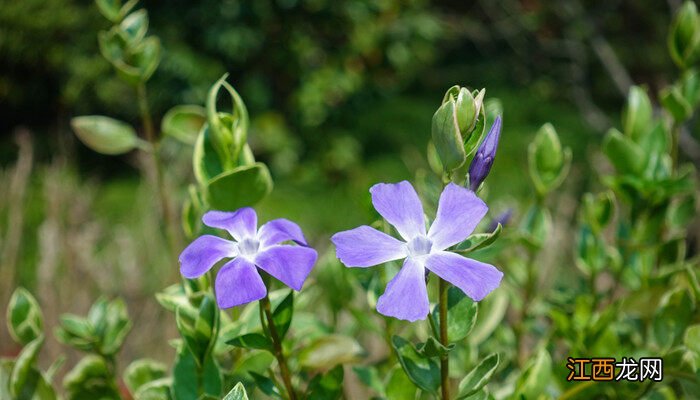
x,y
237,393
25,320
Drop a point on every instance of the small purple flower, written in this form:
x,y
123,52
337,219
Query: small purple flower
x,y
238,281
502,218
406,296
485,154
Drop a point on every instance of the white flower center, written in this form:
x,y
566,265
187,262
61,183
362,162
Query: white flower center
x,y
248,247
419,246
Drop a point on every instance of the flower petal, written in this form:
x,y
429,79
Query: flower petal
x,y
240,224
459,212
365,246
289,264
203,253
280,230
406,296
238,282
399,204
474,278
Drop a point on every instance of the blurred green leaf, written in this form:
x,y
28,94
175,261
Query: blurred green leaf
x,y
117,326
142,372
692,338
326,352
135,26
674,102
433,348
684,35
535,377
158,389
240,187
190,380
90,379
369,376
184,122
19,379
398,385
548,163
328,386
637,115
106,135
25,320
424,372
623,153
671,318
478,377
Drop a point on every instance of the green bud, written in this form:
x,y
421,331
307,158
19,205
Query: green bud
x,y
467,111
684,35
637,115
547,161
447,137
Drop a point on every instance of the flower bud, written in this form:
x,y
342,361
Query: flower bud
x,y
483,159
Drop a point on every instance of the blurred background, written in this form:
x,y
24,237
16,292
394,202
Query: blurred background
x,y
340,93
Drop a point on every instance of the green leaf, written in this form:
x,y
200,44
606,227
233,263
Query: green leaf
x,y
328,351
282,316
684,35
478,377
189,380
423,372
328,386
25,320
36,387
675,312
369,376
206,324
461,315
674,102
237,393
535,377
637,115
158,389
623,153
77,332
240,187
117,326
252,341
106,135
90,379
433,348
23,366
146,57
184,122
692,338
536,226
142,372
478,241
398,385
110,9
447,138
135,26
266,385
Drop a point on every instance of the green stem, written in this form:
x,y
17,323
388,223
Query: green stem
x,y
571,393
277,347
170,223
444,360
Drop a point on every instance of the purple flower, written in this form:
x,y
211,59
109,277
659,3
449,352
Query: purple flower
x,y
485,154
238,281
406,297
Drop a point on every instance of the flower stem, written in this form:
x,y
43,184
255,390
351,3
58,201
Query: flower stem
x,y
168,217
444,360
277,347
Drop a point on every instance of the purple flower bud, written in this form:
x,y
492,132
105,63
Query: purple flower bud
x,y
483,159
502,218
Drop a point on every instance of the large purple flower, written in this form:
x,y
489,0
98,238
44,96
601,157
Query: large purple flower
x,y
238,281
406,297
